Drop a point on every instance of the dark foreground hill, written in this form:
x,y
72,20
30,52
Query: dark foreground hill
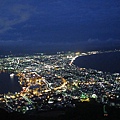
x,y
82,111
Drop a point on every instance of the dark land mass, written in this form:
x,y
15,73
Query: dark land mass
x,y
83,111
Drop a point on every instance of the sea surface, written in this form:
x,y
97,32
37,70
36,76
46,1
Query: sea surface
x,y
8,84
106,62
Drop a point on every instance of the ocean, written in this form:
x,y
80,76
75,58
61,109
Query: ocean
x,y
106,62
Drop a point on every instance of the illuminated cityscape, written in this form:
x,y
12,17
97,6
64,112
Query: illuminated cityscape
x,y
51,82
60,59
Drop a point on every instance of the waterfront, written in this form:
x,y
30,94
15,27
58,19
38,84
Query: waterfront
x,y
9,84
107,62
52,82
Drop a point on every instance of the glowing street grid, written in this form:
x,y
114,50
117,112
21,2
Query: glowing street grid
x,y
53,82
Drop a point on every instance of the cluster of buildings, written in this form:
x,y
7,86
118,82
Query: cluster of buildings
x,y
54,82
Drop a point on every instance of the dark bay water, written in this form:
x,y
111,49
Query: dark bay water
x,y
107,62
8,84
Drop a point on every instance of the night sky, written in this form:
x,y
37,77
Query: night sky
x,y
59,24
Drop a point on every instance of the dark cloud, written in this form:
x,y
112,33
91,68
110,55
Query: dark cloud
x,y
60,22
15,14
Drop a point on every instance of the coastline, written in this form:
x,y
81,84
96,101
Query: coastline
x,y
9,83
73,59
106,61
